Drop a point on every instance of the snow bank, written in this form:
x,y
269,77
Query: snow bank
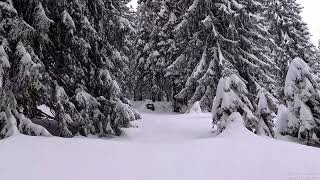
x,y
236,127
196,108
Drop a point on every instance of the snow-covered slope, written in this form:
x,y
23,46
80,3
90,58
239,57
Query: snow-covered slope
x,y
164,147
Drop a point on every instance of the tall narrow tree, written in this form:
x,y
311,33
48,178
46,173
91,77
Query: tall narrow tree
x,y
156,47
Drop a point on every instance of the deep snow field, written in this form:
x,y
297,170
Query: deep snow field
x,y
164,147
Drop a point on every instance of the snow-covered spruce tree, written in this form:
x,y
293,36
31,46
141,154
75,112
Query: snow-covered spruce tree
x,y
71,56
156,47
290,34
303,101
19,76
193,50
215,31
231,96
19,73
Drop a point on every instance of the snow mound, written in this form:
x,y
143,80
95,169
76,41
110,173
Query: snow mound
x,y
236,127
196,108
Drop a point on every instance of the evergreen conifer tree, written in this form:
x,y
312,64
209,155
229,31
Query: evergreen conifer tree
x,y
156,47
290,34
223,31
72,56
303,101
231,97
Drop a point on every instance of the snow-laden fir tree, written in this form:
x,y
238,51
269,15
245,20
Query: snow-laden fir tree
x,y
267,105
218,30
25,76
231,97
156,47
71,56
303,101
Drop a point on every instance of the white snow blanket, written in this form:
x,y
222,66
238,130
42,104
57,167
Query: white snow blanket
x,y
164,147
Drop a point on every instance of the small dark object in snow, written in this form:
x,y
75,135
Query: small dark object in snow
x,y
150,106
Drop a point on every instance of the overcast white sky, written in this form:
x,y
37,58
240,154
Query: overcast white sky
x,y
311,15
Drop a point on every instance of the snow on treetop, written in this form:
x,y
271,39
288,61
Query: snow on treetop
x,y
237,5
180,25
226,98
172,17
155,53
85,100
207,21
263,103
8,7
87,25
68,21
25,56
41,21
162,11
238,83
194,5
299,71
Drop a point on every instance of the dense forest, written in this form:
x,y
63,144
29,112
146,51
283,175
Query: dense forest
x,y
87,59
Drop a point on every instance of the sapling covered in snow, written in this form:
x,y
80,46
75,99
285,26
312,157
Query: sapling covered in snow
x,y
231,97
196,108
266,108
303,100
282,120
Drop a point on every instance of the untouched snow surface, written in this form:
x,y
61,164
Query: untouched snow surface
x,y
164,147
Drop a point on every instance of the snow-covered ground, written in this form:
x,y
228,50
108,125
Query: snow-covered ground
x,y
164,147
